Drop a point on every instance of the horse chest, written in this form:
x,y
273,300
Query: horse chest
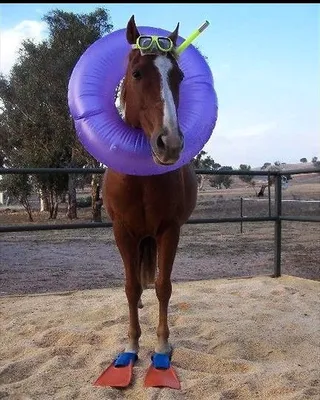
x,y
144,201
148,199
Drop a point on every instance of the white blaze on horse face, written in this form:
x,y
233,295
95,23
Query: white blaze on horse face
x,y
170,119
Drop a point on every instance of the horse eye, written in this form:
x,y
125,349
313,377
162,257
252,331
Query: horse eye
x,y
137,74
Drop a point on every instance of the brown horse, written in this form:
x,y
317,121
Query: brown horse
x,y
148,211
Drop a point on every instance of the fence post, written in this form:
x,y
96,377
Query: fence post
x,y
277,227
241,214
269,194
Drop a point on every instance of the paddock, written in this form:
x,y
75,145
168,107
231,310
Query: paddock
x,y
237,331
244,339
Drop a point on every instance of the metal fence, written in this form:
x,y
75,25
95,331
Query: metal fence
x,y
277,216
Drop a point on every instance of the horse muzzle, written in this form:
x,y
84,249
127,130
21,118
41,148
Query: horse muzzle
x,y
167,146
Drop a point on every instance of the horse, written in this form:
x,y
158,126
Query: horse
x,y
147,212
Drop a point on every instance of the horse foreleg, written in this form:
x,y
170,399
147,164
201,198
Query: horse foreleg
x,y
129,250
167,247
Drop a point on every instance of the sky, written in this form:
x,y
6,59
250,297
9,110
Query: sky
x,y
265,61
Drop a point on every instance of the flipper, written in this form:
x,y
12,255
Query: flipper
x,y
160,373
119,372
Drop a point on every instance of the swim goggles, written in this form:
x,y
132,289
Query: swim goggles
x,y
148,44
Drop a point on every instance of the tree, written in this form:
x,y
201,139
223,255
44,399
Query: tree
x,y
36,127
218,180
269,167
88,28
245,178
203,161
18,187
303,160
270,181
265,165
314,160
316,164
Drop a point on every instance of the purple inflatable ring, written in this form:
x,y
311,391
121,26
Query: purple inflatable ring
x,y
101,130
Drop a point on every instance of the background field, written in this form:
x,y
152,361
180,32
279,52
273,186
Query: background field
x,y
46,261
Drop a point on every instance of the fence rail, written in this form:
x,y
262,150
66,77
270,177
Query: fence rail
x,y
30,171
277,218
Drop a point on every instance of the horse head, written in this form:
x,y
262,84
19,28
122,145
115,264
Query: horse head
x,y
150,92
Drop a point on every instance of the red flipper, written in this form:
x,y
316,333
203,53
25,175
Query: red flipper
x,y
119,373
161,374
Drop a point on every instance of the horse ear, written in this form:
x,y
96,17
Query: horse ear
x,y
174,35
132,31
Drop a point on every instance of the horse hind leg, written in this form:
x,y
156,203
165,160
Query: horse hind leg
x,y
148,263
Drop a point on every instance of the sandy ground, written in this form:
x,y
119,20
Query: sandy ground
x,y
233,339
255,338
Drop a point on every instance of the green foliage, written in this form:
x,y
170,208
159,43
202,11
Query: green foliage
x,y
203,161
303,160
35,126
245,178
36,129
18,187
218,181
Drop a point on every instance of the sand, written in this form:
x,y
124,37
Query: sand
x,y
255,338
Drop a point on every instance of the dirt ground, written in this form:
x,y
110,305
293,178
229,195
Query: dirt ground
x,y
63,260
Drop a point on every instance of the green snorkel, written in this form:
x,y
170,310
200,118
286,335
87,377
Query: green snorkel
x,y
190,38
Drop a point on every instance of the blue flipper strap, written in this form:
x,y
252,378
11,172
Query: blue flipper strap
x,y
161,361
123,359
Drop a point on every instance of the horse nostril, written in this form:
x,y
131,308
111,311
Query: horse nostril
x,y
160,142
